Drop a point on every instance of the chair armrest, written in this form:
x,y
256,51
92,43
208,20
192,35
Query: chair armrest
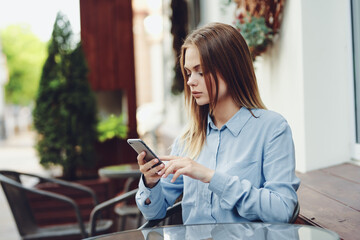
x,y
169,212
50,195
96,211
66,184
295,213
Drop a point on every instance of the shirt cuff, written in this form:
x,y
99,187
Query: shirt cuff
x,y
145,192
218,182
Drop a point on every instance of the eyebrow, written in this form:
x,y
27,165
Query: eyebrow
x,y
196,67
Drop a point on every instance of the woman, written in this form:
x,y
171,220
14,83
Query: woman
x,y
235,161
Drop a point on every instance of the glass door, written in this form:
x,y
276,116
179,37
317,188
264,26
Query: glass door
x,y
355,17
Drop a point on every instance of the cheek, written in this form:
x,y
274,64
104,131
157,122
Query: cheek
x,y
223,90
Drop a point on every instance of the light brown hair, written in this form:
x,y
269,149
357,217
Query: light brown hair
x,y
223,53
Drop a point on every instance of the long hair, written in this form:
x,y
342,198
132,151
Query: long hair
x,y
223,53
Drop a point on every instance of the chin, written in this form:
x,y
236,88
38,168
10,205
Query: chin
x,y
201,102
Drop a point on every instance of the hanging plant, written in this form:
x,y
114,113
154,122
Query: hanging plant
x,y
258,21
256,33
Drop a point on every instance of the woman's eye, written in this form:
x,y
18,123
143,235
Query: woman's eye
x,y
200,73
188,74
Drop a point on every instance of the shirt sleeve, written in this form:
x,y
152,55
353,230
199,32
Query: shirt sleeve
x,y
161,196
276,199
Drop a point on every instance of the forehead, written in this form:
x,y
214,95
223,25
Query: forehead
x,y
192,57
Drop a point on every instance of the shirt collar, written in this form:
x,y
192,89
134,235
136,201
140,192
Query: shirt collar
x,y
235,124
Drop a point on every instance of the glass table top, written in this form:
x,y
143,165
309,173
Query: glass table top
x,y
245,231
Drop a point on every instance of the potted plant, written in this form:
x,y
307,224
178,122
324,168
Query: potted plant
x,y
255,32
258,21
111,147
65,111
65,118
111,127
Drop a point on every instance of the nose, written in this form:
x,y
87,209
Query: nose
x,y
192,81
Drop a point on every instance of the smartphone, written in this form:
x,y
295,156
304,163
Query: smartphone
x,y
139,146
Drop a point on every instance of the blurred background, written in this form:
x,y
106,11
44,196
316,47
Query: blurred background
x,y
306,55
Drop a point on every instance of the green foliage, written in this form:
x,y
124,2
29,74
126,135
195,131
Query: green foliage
x,y
65,111
113,126
25,55
255,32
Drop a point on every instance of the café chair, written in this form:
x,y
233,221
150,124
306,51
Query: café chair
x,y
127,208
173,216
95,213
16,195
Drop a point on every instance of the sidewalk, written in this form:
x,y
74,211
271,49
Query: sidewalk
x,y
16,153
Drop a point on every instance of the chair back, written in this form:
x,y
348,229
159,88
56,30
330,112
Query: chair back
x,y
18,202
295,213
173,217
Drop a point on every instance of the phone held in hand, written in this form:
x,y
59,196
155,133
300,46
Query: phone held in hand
x,y
139,146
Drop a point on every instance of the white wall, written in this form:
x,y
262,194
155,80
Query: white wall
x,y
327,40
216,11
280,76
306,77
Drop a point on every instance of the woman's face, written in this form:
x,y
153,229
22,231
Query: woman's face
x,y
196,80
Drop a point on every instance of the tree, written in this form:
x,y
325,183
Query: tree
x,y
65,111
25,55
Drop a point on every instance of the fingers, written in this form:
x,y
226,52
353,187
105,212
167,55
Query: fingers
x,y
176,175
176,170
172,167
140,158
143,164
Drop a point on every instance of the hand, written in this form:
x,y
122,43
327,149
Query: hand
x,y
186,166
151,175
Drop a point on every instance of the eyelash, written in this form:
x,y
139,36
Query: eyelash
x,y
189,74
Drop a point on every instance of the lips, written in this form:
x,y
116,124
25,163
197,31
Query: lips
x,y
196,94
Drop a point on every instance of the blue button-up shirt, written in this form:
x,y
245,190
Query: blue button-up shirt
x,y
254,163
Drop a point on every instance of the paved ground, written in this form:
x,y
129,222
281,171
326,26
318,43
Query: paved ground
x,y
16,153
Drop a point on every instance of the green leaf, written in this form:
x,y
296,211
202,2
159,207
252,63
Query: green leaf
x,y
112,126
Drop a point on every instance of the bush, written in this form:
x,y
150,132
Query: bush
x,y
65,111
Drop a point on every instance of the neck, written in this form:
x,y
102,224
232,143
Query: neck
x,y
223,111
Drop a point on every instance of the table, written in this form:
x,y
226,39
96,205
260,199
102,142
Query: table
x,y
120,171
329,197
245,231
129,171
